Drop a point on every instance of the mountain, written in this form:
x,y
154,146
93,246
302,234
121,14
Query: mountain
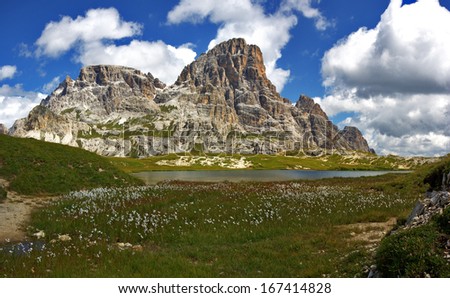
x,y
222,102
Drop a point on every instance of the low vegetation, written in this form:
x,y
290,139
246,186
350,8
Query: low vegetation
x,y
35,167
413,253
419,252
107,224
291,229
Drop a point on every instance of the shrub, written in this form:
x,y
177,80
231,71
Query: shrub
x,y
443,221
412,253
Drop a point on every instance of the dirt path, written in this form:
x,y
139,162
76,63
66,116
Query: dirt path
x,y
370,232
15,213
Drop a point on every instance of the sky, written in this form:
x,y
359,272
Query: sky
x,y
382,66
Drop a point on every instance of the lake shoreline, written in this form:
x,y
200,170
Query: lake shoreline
x,y
246,175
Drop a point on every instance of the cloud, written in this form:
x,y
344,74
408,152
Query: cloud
x,y
16,103
163,61
396,78
430,144
24,50
247,19
407,52
93,35
50,86
7,72
98,24
304,6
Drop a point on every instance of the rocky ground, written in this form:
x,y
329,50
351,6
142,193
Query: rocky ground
x,y
224,162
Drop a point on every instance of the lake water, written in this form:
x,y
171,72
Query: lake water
x,y
153,177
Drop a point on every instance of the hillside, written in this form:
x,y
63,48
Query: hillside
x,y
36,167
420,245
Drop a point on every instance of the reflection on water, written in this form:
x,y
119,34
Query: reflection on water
x,y
153,177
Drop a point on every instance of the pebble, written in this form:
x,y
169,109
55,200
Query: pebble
x,y
64,238
39,235
137,247
126,245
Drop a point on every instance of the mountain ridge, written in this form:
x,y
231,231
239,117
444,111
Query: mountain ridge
x,y
222,102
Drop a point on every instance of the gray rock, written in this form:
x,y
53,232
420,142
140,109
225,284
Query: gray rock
x,y
440,199
3,129
373,273
417,211
447,182
444,181
222,102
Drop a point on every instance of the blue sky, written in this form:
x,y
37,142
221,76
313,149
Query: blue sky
x,y
317,48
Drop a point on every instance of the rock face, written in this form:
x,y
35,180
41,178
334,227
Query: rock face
x,y
3,129
105,91
222,102
434,203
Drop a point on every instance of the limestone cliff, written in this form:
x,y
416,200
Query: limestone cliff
x,y
222,102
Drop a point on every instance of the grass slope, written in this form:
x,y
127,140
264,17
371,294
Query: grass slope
x,y
36,167
418,252
358,161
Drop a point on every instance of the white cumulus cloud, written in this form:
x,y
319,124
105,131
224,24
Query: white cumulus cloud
x,y
247,19
7,72
93,36
395,78
163,61
16,103
98,24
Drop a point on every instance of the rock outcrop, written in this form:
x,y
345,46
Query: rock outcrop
x,y
3,129
222,102
433,204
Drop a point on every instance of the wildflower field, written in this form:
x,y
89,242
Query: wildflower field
x,y
178,229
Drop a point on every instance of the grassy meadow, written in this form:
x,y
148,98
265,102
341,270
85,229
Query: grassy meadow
x,y
108,224
291,229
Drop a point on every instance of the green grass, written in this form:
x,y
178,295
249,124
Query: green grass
x,y
416,252
286,229
275,162
36,167
413,253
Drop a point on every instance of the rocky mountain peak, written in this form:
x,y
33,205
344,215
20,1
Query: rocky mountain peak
x,y
307,105
232,63
105,89
351,138
222,102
